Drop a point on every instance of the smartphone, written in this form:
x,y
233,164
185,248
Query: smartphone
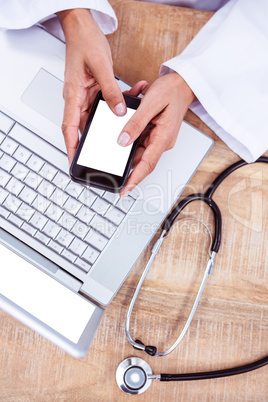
x,y
99,161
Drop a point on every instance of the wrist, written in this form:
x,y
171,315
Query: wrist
x,y
73,20
182,86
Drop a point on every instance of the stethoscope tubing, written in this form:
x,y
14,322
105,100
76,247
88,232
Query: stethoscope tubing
x,y
140,364
222,176
211,203
205,375
167,224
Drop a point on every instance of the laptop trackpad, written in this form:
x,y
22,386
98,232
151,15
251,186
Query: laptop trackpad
x,y
44,95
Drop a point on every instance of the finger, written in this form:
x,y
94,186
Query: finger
x,y
83,120
143,143
148,161
150,106
137,157
91,95
137,88
103,73
70,123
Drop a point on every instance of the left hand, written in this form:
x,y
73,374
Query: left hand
x,y
164,106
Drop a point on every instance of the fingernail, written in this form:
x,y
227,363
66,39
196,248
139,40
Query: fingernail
x,y
120,109
124,195
123,139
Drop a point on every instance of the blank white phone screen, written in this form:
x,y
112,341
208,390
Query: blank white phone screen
x,y
100,150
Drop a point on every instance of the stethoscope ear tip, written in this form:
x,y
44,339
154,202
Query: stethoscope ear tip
x,y
132,375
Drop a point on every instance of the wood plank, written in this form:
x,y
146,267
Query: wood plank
x,y
230,326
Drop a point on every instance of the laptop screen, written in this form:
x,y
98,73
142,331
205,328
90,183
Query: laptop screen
x,y
42,296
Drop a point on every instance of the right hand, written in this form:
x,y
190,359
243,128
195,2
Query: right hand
x,y
88,68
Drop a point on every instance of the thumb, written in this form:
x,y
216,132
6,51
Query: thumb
x,y
138,122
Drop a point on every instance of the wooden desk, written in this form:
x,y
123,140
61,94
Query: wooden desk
x,y
231,323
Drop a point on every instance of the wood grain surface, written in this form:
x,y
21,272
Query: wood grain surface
x,y
231,323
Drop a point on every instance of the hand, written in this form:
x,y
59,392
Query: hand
x,y
88,69
164,106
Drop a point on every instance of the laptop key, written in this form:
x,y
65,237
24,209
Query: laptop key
x,y
67,221
41,203
2,137
72,206
5,123
96,240
43,238
115,215
55,246
4,177
68,255
3,195
20,171
38,220
111,197
125,204
28,229
9,146
14,186
22,154
90,255
25,212
27,195
54,212
61,180
87,197
85,214
77,246
74,189
100,206
35,163
48,171
32,180
15,219
64,238
80,229
45,188
97,191
83,265
59,197
12,203
103,226
7,163
51,229
3,212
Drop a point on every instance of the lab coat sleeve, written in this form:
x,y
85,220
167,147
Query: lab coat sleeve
x,y
19,14
226,66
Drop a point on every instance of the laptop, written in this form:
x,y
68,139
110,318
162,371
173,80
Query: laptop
x,y
66,249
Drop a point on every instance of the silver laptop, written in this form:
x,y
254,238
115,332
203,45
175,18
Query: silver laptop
x,y
77,244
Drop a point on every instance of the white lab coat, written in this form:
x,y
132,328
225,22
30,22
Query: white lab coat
x,y
226,64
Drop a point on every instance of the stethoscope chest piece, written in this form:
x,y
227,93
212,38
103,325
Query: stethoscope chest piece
x,y
132,375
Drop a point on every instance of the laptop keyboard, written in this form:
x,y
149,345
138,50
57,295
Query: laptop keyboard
x,y
74,222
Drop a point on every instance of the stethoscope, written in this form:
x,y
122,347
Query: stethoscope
x,y
134,375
